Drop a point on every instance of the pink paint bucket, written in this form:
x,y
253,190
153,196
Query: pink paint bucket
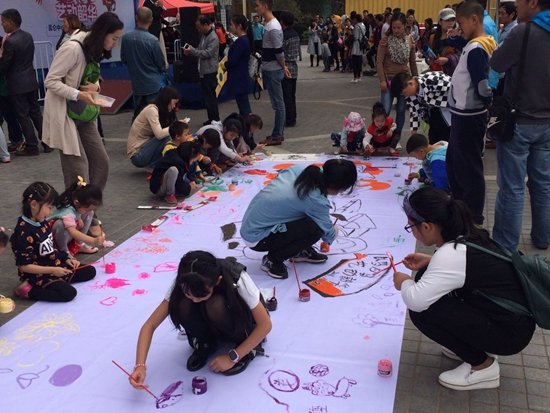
x,y
110,268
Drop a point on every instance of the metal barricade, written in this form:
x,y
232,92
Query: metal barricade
x,y
43,56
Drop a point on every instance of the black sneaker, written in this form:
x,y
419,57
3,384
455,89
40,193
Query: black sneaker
x,y
46,148
310,255
26,151
198,359
274,269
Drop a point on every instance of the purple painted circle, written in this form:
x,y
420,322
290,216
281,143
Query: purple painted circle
x,y
66,375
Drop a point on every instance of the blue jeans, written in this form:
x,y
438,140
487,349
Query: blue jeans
x,y
387,100
272,83
527,153
150,153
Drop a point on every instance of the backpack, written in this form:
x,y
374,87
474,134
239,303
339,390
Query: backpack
x,y
79,110
364,40
533,272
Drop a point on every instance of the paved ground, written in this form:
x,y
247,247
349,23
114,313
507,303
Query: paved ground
x,y
323,100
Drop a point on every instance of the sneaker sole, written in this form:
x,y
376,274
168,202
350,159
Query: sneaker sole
x,y
311,261
488,384
272,275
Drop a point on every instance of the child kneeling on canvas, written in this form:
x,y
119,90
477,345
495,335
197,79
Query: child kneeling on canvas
x,y
175,172
433,171
350,140
380,132
46,273
73,217
215,301
288,216
446,297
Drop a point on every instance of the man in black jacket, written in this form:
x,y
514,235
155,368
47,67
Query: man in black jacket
x,y
16,64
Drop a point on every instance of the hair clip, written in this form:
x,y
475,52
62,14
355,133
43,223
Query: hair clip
x,y
80,182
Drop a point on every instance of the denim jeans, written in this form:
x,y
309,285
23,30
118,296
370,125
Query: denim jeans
x,y
149,153
243,104
387,100
526,154
272,83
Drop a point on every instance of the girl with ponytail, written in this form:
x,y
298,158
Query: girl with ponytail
x,y
292,213
213,300
448,298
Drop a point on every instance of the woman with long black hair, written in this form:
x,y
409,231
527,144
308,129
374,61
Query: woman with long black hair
x,y
70,108
448,299
215,301
149,131
292,213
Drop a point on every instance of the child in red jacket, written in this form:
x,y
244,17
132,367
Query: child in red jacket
x,y
380,132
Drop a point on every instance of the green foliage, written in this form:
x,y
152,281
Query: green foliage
x,y
289,5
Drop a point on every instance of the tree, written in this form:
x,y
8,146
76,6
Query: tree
x,y
289,5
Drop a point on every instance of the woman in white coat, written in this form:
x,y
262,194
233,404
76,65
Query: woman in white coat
x,y
81,149
314,42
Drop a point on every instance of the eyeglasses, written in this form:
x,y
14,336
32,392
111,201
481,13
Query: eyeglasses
x,y
409,228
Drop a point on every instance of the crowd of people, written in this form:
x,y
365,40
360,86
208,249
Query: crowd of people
x,y
471,65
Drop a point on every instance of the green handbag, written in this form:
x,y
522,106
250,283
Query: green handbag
x,y
79,110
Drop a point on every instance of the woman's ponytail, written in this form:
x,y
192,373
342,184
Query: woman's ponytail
x,y
309,180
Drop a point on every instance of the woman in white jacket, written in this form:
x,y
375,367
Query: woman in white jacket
x,y
81,149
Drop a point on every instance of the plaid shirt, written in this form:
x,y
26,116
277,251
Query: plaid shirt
x,y
434,88
291,46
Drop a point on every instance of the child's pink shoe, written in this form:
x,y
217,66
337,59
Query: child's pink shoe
x,y
23,289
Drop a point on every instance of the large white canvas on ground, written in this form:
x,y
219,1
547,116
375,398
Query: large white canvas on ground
x,y
321,355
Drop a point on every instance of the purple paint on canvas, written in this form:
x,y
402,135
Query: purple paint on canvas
x,y
171,395
66,375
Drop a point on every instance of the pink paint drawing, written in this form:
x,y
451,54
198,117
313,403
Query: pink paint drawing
x,y
319,370
139,291
110,283
166,267
144,275
171,395
109,301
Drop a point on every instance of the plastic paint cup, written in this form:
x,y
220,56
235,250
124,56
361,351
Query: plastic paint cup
x,y
271,304
110,267
384,368
199,385
304,295
325,247
7,305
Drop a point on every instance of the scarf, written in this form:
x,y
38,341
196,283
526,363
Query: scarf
x,y
400,50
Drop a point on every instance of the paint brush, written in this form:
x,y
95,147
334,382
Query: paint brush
x,y
296,274
392,265
131,378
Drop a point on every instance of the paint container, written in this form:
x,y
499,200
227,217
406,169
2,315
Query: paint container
x,y
199,385
304,295
325,247
271,304
110,267
7,305
384,368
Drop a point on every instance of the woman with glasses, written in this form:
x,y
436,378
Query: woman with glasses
x,y
215,301
447,299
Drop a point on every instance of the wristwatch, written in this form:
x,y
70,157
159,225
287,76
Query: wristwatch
x,y
234,356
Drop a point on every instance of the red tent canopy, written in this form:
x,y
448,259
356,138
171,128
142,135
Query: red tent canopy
x,y
172,6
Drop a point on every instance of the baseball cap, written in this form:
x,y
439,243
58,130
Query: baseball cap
x,y
447,14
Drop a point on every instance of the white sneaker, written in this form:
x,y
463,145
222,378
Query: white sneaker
x,y
464,378
450,354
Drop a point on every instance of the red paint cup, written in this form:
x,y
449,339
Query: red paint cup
x,y
325,247
110,268
384,368
304,295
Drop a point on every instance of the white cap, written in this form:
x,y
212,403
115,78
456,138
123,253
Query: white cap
x,y
447,14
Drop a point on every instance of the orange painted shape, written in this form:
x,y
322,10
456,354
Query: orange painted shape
x,y
373,184
281,166
326,287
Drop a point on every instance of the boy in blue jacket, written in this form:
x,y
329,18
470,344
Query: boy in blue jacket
x,y
433,171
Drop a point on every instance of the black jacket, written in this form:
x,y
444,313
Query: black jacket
x,y
171,158
16,63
